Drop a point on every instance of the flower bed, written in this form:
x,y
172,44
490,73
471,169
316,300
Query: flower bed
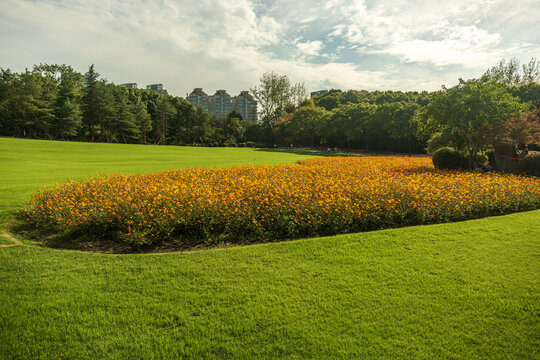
x,y
322,196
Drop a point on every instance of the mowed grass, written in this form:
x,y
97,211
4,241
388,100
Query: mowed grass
x,y
26,165
461,290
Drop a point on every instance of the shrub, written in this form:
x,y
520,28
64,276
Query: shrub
x,y
447,158
437,141
529,165
481,158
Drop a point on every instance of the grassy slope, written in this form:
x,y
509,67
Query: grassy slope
x,y
463,290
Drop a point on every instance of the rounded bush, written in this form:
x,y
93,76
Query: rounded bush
x,y
449,158
529,165
436,142
481,159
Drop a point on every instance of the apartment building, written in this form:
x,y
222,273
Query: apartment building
x,y
317,93
221,103
157,88
129,85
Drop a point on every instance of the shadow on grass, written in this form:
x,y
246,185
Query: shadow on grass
x,y
301,152
322,152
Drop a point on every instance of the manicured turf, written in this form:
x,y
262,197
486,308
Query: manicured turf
x,y
26,165
462,290
4,241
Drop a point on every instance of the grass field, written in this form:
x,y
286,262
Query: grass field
x,y
462,290
26,165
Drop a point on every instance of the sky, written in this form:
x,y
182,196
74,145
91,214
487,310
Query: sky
x,y
228,44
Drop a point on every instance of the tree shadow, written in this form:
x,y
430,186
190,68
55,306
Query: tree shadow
x,y
302,152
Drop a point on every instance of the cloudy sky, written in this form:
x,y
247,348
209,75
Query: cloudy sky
x,y
229,44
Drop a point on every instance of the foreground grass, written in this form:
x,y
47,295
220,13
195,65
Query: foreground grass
x,y
461,290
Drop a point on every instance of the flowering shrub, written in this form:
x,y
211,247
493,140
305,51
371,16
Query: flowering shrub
x,y
320,196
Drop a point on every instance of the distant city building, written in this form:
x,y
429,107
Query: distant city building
x,y
157,88
130,85
317,93
222,104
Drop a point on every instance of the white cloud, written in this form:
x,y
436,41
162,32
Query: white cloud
x,y
312,48
394,44
464,45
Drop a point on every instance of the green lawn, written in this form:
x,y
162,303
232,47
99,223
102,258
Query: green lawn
x,y
26,165
463,290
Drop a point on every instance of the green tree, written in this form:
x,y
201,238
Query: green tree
x,y
123,125
142,119
513,73
68,115
331,100
165,112
398,122
470,114
93,102
307,125
275,95
33,106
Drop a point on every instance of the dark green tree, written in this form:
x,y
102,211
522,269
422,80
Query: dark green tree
x,y
164,113
470,114
92,103
67,112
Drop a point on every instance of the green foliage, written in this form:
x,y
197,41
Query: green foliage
x,y
529,165
307,125
164,113
449,159
512,73
275,95
437,141
491,158
469,114
56,102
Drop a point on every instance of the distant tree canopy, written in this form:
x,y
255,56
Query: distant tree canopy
x,y
56,102
513,73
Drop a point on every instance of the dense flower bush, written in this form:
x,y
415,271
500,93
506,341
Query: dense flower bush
x,y
258,203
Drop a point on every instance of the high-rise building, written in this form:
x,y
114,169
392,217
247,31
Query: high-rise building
x,y
157,88
222,104
198,98
246,105
130,85
317,93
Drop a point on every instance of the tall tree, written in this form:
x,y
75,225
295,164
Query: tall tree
x,y
68,115
275,95
307,125
123,126
164,113
512,73
91,102
470,114
142,118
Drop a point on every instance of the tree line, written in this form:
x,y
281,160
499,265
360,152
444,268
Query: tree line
x,y
56,102
471,116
